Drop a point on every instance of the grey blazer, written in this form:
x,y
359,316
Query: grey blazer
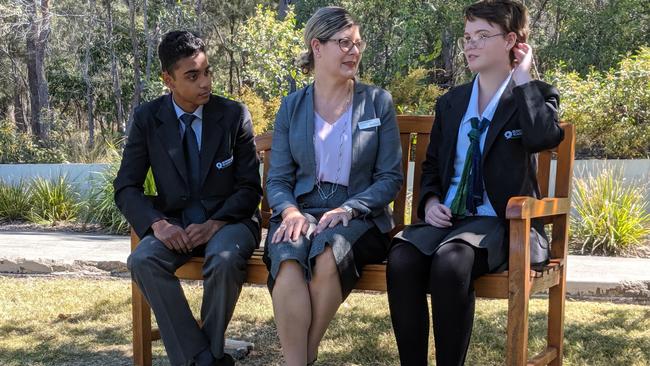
x,y
376,171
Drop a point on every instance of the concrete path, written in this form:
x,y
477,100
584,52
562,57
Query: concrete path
x,y
48,252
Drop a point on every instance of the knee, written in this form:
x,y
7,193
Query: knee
x,y
138,260
403,260
325,266
289,275
224,263
452,263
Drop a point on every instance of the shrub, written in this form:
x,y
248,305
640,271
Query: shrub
x,y
611,110
99,204
15,201
64,145
269,47
262,112
414,94
53,200
610,216
17,147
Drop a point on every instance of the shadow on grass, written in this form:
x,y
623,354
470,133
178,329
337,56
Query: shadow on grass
x,y
77,325
605,337
359,337
47,353
89,337
359,332
610,341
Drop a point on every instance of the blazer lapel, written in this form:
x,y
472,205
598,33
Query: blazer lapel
x,y
358,108
457,107
452,116
212,136
309,129
169,134
504,111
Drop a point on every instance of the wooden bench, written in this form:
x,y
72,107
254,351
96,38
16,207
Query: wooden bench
x,y
517,284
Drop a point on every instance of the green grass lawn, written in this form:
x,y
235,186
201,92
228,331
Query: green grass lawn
x,y
83,321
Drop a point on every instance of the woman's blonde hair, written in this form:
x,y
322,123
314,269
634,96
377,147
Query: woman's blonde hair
x,y
324,24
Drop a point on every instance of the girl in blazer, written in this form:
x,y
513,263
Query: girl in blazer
x,y
481,153
335,167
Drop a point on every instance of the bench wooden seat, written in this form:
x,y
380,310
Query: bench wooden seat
x,y
374,277
517,284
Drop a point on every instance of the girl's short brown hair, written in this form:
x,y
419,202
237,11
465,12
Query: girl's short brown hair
x,y
511,16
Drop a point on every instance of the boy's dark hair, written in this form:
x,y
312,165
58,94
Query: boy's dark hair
x,y
176,45
511,16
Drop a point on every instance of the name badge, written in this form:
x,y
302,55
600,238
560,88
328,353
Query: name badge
x,y
224,164
363,125
513,134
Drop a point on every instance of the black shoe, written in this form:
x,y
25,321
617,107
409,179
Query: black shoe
x,y
226,360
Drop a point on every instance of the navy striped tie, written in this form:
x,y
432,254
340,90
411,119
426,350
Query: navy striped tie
x,y
194,213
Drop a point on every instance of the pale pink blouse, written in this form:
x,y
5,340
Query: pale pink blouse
x,y
333,146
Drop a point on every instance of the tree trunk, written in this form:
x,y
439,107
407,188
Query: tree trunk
x,y
36,41
43,90
18,108
199,11
147,37
137,82
283,8
86,76
32,69
447,54
115,72
151,39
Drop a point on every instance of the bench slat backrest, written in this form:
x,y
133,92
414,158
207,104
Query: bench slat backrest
x,y
560,158
414,136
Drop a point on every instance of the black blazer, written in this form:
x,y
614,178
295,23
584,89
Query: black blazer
x,y
525,122
229,191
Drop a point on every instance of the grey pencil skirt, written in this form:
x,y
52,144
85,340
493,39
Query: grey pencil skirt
x,y
354,246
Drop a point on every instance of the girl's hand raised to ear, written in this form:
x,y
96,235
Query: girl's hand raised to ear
x,y
523,61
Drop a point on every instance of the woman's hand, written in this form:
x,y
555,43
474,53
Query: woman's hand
x,y
524,60
293,224
332,218
437,214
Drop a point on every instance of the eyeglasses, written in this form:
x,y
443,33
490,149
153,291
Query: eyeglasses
x,y
346,44
478,42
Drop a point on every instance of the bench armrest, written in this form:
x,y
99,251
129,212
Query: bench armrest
x,y
530,208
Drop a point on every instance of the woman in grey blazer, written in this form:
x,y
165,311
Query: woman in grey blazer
x,y
335,168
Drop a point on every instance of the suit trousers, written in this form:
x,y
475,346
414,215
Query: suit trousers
x,y
152,267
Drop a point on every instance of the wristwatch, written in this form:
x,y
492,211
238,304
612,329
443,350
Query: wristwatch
x,y
350,210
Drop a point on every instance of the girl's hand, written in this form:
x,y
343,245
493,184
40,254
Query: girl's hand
x,y
524,60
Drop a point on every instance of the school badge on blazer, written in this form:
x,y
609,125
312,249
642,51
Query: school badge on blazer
x,y
224,164
513,134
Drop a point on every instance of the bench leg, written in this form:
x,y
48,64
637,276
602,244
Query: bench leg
x,y
556,300
141,328
517,341
519,293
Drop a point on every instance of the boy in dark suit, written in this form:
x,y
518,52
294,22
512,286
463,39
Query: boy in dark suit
x,y
481,153
200,148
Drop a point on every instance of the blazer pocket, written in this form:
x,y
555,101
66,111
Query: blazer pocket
x,y
368,139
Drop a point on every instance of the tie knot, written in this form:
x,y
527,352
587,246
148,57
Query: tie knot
x,y
479,125
187,119
474,134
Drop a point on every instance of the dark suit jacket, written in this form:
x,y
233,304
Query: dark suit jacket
x,y
230,193
509,162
